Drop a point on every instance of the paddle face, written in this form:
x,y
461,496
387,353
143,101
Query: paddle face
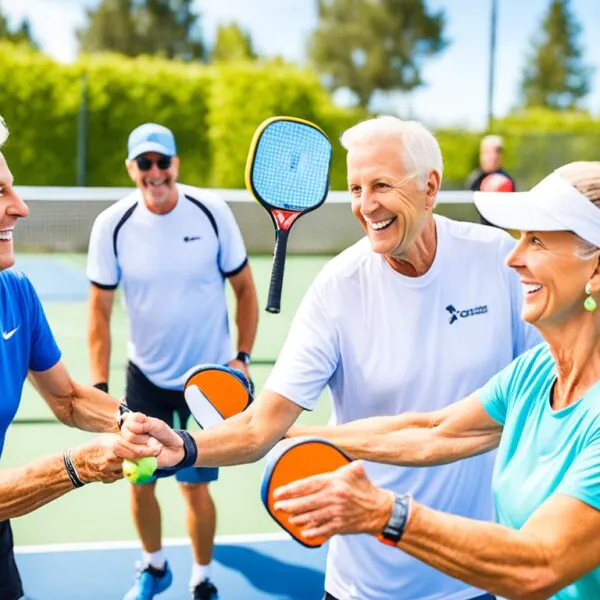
x,y
287,171
292,460
214,393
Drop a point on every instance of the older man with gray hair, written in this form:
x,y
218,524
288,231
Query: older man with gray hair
x,y
417,314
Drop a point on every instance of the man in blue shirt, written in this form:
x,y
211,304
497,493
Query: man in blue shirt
x,y
28,348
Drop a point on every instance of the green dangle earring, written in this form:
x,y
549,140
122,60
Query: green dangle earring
x,y
589,304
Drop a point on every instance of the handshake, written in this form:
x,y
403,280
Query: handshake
x,y
146,447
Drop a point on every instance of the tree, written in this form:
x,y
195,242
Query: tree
x,y
164,27
112,27
21,34
555,75
369,45
232,43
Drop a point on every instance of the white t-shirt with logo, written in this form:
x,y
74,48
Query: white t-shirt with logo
x,y
386,344
173,269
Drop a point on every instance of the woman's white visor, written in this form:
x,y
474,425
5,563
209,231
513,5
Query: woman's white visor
x,y
552,205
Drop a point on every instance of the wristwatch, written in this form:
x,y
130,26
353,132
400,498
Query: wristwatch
x,y
392,532
244,357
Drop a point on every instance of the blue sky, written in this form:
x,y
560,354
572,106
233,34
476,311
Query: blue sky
x,y
457,80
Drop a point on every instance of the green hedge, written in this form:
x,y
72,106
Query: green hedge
x,y
39,100
214,111
126,93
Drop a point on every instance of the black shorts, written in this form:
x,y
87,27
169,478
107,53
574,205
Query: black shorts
x,y
145,397
11,587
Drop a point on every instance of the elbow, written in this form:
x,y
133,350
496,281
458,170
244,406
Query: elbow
x,y
64,410
256,441
532,584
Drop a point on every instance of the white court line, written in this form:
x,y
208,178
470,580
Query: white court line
x,y
241,539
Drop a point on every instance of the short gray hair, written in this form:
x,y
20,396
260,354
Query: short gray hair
x,y
3,131
421,149
495,141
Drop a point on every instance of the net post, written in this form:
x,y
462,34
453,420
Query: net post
x,y
82,133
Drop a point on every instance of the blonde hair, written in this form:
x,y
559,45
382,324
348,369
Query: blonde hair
x,y
584,176
3,131
421,149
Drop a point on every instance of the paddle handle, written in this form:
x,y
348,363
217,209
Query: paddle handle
x,y
279,254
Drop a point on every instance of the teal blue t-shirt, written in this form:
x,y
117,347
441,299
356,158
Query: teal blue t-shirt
x,y
543,451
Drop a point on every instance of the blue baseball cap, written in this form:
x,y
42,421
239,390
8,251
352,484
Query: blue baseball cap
x,y
151,137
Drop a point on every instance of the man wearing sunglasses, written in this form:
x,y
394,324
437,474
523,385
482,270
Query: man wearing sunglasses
x,y
172,247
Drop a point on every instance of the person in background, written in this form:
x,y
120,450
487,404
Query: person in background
x,y
490,176
172,247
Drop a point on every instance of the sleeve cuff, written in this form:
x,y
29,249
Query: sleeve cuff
x,y
236,271
104,286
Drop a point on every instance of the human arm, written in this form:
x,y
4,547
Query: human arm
x,y
457,431
246,315
243,438
83,407
24,489
100,304
557,545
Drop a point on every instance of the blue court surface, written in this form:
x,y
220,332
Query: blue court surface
x,y
244,568
54,278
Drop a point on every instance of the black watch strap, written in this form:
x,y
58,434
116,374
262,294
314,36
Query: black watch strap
x,y
392,532
123,410
244,357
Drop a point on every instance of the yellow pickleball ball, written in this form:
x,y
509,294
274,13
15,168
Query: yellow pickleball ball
x,y
140,471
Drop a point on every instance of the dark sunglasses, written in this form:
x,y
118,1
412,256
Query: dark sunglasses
x,y
145,164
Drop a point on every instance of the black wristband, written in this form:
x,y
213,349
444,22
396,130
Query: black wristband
x,y
190,455
243,357
71,470
102,386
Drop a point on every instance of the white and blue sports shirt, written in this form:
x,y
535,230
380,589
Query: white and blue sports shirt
x,y
173,269
26,342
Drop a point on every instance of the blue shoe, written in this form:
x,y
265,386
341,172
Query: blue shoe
x,y
149,582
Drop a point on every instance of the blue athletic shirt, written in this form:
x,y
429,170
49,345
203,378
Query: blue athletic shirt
x,y
543,451
26,342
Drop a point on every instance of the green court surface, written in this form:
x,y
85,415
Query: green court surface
x,y
100,513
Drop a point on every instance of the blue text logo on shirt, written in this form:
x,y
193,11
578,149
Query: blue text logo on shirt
x,y
463,314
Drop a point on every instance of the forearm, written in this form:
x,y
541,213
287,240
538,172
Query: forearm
x,y
99,344
500,560
93,410
246,319
362,427
404,439
24,489
83,407
235,441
